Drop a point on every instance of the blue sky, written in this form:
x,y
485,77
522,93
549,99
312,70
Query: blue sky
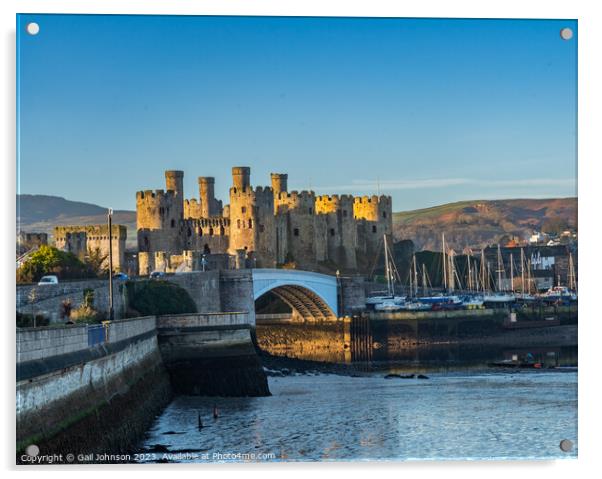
x,y
427,110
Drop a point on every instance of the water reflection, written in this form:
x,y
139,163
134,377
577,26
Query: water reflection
x,y
402,346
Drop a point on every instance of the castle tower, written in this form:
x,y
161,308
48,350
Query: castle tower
x,y
174,181
341,233
241,177
301,245
251,219
375,219
209,205
279,182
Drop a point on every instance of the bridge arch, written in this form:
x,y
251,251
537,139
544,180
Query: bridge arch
x,y
312,295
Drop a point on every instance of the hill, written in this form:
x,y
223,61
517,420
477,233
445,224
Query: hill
x,y
42,213
481,222
466,223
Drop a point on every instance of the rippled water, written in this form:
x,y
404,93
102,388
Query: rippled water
x,y
476,415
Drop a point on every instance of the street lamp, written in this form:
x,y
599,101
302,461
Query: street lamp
x,y
110,236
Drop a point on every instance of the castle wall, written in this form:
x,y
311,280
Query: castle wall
x,y
81,240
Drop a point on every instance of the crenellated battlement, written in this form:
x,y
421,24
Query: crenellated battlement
x,y
150,195
302,202
296,195
250,191
334,198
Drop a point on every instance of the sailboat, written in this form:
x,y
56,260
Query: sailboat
x,y
445,300
414,303
563,293
499,296
525,293
388,302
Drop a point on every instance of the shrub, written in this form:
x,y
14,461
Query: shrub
x,y
50,260
85,314
149,298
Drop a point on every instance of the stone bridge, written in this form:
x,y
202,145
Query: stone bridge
x,y
312,296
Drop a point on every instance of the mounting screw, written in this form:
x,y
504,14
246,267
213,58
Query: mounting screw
x,y
566,33
32,28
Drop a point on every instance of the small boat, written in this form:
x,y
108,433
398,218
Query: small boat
x,y
499,298
442,299
389,304
559,293
417,306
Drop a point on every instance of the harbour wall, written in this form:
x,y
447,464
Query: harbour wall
x,y
114,378
209,357
75,379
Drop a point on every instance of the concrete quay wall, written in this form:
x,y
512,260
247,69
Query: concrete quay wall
x,y
114,387
211,354
115,381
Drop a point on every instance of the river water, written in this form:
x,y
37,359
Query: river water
x,y
464,409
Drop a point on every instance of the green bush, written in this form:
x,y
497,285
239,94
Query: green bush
x,y
154,297
50,260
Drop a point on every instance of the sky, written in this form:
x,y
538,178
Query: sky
x,y
429,111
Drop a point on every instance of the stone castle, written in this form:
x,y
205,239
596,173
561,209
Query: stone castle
x,y
262,226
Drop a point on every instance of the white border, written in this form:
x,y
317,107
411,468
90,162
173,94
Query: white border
x,y
590,83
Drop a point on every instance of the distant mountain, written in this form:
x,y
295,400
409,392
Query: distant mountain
x,y
42,213
481,222
466,223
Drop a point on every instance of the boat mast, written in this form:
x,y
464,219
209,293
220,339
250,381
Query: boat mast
x,y
469,273
452,282
415,277
511,273
522,270
499,268
444,262
483,269
387,267
423,280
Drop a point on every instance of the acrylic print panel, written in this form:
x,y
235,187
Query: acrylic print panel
x,y
295,239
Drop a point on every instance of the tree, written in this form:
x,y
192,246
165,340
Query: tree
x,y
50,260
95,262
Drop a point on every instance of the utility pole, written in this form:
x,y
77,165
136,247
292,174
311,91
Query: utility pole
x,y
110,236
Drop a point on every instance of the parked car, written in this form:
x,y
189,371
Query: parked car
x,y
157,275
49,279
121,276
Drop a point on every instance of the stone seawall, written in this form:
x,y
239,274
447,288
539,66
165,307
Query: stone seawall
x,y
97,388
78,398
211,354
